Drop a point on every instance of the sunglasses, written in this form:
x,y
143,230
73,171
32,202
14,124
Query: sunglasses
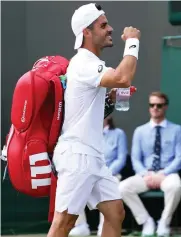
x,y
158,106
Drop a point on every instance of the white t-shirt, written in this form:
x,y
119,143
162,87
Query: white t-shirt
x,y
84,105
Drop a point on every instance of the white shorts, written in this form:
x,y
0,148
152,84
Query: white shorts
x,y
82,180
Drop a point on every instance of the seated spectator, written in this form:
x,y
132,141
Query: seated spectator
x,y
156,160
115,144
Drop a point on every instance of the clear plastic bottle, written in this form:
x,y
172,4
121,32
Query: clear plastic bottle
x,y
122,98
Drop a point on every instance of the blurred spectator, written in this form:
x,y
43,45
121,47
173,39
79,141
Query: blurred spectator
x,y
115,144
156,160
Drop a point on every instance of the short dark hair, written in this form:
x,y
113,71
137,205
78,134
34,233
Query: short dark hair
x,y
98,7
160,95
91,26
111,123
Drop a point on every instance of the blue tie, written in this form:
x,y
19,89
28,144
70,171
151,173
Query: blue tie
x,y
157,150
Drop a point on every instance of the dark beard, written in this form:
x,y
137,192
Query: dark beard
x,y
107,46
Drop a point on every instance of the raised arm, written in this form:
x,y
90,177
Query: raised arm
x,y
123,75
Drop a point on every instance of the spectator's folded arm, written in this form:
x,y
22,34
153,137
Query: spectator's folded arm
x,y
175,165
136,153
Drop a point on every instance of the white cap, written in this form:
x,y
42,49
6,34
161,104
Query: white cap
x,y
81,19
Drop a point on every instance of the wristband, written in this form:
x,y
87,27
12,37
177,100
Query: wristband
x,y
131,47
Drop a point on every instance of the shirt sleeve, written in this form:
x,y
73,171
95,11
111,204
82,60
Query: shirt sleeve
x,y
175,165
136,153
118,164
91,73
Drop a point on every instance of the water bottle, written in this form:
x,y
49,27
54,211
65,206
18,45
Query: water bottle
x,y
122,98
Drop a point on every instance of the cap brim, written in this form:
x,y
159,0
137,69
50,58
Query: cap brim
x,y
78,41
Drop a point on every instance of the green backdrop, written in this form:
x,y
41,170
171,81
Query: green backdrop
x,y
171,75
21,213
24,214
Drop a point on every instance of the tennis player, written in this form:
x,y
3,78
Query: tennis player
x,y
83,177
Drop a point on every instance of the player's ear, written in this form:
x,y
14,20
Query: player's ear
x,y
86,32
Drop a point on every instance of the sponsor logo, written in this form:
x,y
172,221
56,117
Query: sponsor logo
x,y
132,46
59,110
100,68
39,170
124,92
23,118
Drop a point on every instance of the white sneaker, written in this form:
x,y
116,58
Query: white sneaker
x,y
163,229
80,230
99,231
148,227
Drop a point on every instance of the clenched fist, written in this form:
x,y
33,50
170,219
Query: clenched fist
x,y
130,32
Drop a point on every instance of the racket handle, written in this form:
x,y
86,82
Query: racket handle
x,y
109,106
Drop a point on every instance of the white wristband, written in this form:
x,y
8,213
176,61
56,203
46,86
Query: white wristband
x,y
131,47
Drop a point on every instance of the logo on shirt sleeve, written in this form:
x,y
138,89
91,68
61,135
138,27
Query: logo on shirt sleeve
x,y
100,68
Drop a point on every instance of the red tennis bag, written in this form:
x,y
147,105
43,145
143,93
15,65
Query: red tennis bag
x,y
37,117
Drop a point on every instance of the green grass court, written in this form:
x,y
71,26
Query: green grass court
x,y
70,236
44,235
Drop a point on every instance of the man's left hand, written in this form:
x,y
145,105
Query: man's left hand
x,y
112,95
158,179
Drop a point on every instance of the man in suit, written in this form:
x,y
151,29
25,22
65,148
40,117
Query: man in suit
x,y
156,159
